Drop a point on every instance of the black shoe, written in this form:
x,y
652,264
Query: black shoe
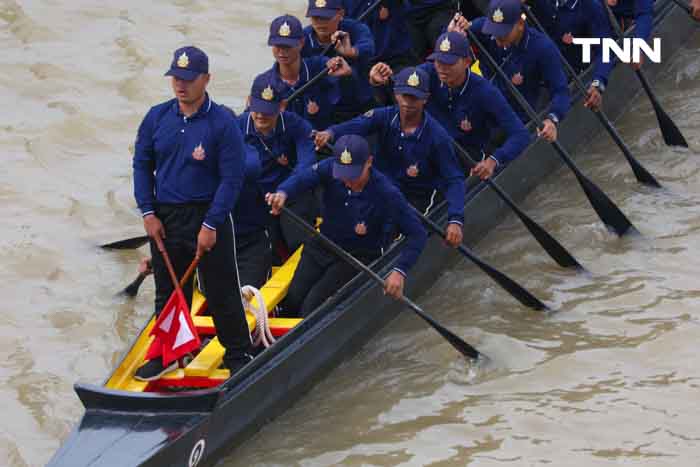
x,y
154,369
235,363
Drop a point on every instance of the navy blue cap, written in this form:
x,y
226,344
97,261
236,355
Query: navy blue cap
x,y
350,154
188,63
265,95
323,8
502,16
450,47
286,31
412,81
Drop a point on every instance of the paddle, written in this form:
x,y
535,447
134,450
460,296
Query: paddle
x,y
456,342
608,212
512,287
670,132
642,174
555,249
132,289
684,6
323,73
126,244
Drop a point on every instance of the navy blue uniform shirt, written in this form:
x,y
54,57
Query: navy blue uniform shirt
x,y
291,137
579,18
181,159
470,112
642,11
531,62
379,207
251,213
317,103
391,36
354,91
429,149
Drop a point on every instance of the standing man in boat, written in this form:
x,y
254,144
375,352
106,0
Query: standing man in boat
x,y
353,41
317,103
284,146
188,171
426,21
471,109
527,56
412,149
566,19
360,207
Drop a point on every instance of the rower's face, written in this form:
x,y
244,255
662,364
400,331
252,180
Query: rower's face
x,y
326,26
264,122
357,184
189,92
512,37
410,105
285,55
452,74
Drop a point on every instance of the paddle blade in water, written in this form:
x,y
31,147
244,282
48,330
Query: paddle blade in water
x,y
608,211
126,244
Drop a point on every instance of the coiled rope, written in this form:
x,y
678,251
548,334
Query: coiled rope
x,y
262,326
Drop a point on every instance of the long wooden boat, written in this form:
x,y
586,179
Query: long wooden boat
x,y
127,422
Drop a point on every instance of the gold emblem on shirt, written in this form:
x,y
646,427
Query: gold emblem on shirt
x,y
183,61
320,3
268,94
369,113
413,80
445,45
346,157
198,153
285,30
361,229
497,16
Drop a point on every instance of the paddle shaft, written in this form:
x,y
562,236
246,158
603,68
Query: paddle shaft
x,y
684,6
324,72
670,132
555,249
508,284
640,172
190,269
459,344
608,212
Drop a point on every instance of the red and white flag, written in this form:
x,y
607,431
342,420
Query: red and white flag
x,y
175,334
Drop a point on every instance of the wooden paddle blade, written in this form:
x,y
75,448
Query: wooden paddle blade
x,y
512,287
458,343
608,211
132,289
126,244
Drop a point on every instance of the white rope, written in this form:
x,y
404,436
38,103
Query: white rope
x,y
262,326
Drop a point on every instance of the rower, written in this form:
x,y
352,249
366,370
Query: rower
x,y
353,40
284,146
317,103
412,149
528,56
639,13
188,171
426,21
563,20
389,27
469,107
360,206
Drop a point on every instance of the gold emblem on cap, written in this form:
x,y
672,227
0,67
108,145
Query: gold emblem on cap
x,y
320,3
497,16
413,80
268,94
445,45
346,157
285,30
183,61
